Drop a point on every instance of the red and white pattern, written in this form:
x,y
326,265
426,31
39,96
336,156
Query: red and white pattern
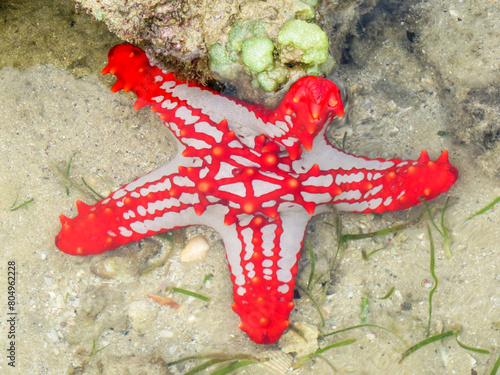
x,y
241,170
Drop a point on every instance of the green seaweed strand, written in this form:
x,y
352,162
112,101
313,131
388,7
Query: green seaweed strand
x,y
313,265
495,368
443,231
484,209
433,274
15,207
366,325
190,293
425,342
442,336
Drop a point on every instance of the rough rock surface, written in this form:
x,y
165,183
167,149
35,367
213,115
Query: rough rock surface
x,y
180,33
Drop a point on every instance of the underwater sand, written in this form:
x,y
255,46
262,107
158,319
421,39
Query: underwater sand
x,y
400,94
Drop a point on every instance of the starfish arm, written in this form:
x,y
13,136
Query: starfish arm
x,y
310,104
162,200
167,96
378,185
264,272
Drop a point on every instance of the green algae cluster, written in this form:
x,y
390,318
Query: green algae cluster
x,y
304,42
269,56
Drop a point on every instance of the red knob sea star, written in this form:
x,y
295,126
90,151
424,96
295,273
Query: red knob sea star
x,y
241,170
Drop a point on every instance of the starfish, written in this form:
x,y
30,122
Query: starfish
x,y
255,175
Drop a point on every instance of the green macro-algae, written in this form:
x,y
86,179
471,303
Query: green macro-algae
x,y
270,56
271,79
220,61
306,40
257,53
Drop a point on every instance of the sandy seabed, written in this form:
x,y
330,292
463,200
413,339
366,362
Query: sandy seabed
x,y
409,74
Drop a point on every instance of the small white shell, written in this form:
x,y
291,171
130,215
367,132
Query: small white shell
x,y
195,249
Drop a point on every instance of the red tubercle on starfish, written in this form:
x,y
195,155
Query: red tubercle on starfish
x,y
257,185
